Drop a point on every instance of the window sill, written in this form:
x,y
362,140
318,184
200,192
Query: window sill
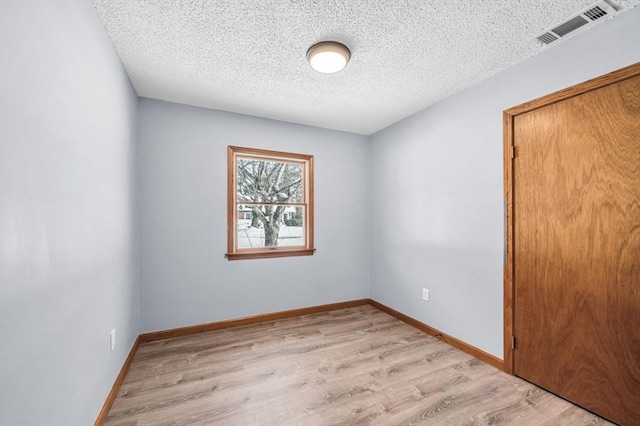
x,y
269,254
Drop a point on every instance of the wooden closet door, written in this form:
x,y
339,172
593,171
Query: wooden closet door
x,y
576,216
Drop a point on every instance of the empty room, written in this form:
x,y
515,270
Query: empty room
x,y
297,212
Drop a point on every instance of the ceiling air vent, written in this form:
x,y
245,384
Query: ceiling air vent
x,y
547,38
595,13
589,16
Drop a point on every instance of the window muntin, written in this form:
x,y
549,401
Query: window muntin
x,y
270,204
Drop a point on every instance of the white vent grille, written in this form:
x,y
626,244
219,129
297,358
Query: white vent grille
x,y
571,25
595,13
547,38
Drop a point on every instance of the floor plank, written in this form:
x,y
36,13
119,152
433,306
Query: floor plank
x,y
353,366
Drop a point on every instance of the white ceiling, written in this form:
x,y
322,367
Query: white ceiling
x,y
249,56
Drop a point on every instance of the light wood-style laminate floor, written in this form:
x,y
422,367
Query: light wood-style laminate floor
x,y
355,366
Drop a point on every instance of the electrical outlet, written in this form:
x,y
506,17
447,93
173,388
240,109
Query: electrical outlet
x,y
112,339
425,294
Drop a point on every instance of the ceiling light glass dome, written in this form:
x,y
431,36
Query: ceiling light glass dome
x,y
328,57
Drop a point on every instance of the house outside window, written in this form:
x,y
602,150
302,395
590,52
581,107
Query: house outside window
x,y
270,204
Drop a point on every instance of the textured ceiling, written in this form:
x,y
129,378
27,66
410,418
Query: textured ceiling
x,y
249,56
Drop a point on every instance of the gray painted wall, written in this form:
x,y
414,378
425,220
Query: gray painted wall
x,y
182,177
437,187
67,246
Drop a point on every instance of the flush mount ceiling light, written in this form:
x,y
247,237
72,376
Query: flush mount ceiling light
x,y
328,57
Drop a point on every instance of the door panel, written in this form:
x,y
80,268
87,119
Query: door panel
x,y
576,217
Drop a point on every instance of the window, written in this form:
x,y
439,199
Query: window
x,y
270,204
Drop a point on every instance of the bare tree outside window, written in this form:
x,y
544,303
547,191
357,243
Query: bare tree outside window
x,y
274,189
262,181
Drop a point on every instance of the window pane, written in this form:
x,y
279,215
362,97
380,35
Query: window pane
x,y
269,181
270,204
271,226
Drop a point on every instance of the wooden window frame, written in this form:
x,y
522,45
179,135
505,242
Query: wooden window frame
x,y
233,253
